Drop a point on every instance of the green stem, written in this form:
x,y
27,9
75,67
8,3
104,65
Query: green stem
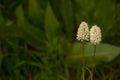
x,y
93,63
83,63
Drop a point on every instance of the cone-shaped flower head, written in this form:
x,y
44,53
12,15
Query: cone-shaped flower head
x,y
83,32
95,35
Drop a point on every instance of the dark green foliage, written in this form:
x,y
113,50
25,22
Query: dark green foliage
x,y
37,38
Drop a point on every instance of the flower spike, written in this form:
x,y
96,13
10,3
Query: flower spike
x,y
95,35
83,32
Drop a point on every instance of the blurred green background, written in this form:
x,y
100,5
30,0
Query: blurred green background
x,y
38,39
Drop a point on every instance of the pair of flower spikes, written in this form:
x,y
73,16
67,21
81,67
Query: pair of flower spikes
x,y
84,33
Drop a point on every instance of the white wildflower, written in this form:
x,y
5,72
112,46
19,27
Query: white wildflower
x,y
83,32
95,35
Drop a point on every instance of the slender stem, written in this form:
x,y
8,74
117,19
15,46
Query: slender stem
x,y
83,63
93,63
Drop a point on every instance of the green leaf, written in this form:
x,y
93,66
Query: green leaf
x,y
51,23
104,53
64,13
36,13
19,64
67,15
31,34
34,8
20,14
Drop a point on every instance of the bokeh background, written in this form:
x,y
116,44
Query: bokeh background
x,y
38,39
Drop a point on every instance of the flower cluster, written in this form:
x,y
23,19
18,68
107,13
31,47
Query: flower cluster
x,y
95,35
83,33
